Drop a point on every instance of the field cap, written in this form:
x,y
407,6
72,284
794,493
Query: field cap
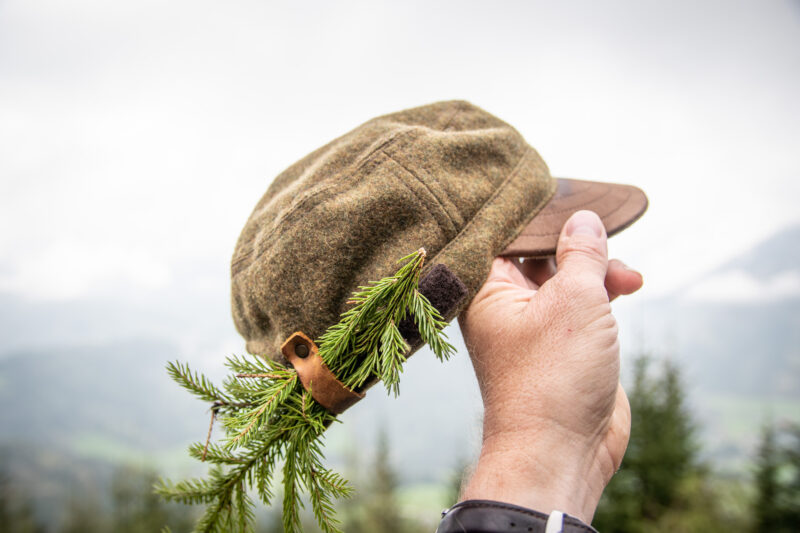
x,y
447,177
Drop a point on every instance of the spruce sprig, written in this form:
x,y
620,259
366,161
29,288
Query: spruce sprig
x,y
366,343
269,417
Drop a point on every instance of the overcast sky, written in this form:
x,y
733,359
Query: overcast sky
x,y
137,136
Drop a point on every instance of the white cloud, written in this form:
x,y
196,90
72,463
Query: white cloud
x,y
737,286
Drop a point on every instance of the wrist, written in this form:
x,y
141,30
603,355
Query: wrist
x,y
526,471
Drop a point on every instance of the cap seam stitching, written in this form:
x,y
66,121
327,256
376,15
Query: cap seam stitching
x,y
453,230
451,119
509,179
443,196
414,193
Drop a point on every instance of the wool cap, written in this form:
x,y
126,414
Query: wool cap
x,y
447,177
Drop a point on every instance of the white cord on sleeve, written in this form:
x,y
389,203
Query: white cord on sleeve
x,y
555,522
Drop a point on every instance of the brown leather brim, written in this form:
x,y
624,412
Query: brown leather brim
x,y
618,206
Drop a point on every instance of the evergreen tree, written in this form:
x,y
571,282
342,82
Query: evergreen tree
x,y
766,511
383,513
777,480
85,513
661,486
792,455
376,508
663,448
137,509
457,476
16,508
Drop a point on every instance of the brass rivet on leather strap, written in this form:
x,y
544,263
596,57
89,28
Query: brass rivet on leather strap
x,y
301,350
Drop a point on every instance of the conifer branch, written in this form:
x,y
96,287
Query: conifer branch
x,y
430,324
213,454
272,396
195,383
268,415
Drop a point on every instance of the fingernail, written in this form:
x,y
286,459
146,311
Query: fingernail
x,y
629,269
584,223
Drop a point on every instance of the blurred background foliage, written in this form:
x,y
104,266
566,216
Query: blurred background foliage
x,y
664,483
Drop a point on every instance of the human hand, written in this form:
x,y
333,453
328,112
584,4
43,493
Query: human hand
x,y
545,351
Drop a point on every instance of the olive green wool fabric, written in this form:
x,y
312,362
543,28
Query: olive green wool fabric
x,y
448,177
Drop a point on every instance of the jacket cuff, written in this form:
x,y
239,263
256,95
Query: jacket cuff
x,y
486,516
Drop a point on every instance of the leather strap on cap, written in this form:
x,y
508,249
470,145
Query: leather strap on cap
x,y
316,377
442,288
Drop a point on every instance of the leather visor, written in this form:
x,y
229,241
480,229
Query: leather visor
x,y
618,206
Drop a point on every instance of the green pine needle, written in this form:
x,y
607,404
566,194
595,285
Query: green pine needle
x,y
269,417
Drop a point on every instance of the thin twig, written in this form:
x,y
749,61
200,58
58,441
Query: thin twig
x,y
272,376
210,426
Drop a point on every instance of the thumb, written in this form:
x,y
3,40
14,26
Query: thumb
x,y
582,250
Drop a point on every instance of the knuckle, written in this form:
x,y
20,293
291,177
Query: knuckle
x,y
608,332
583,246
578,290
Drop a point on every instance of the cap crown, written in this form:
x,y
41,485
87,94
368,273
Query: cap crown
x,y
448,177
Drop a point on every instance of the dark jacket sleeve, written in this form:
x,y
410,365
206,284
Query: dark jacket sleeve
x,y
485,516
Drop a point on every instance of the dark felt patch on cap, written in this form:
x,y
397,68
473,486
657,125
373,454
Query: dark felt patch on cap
x,y
444,290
